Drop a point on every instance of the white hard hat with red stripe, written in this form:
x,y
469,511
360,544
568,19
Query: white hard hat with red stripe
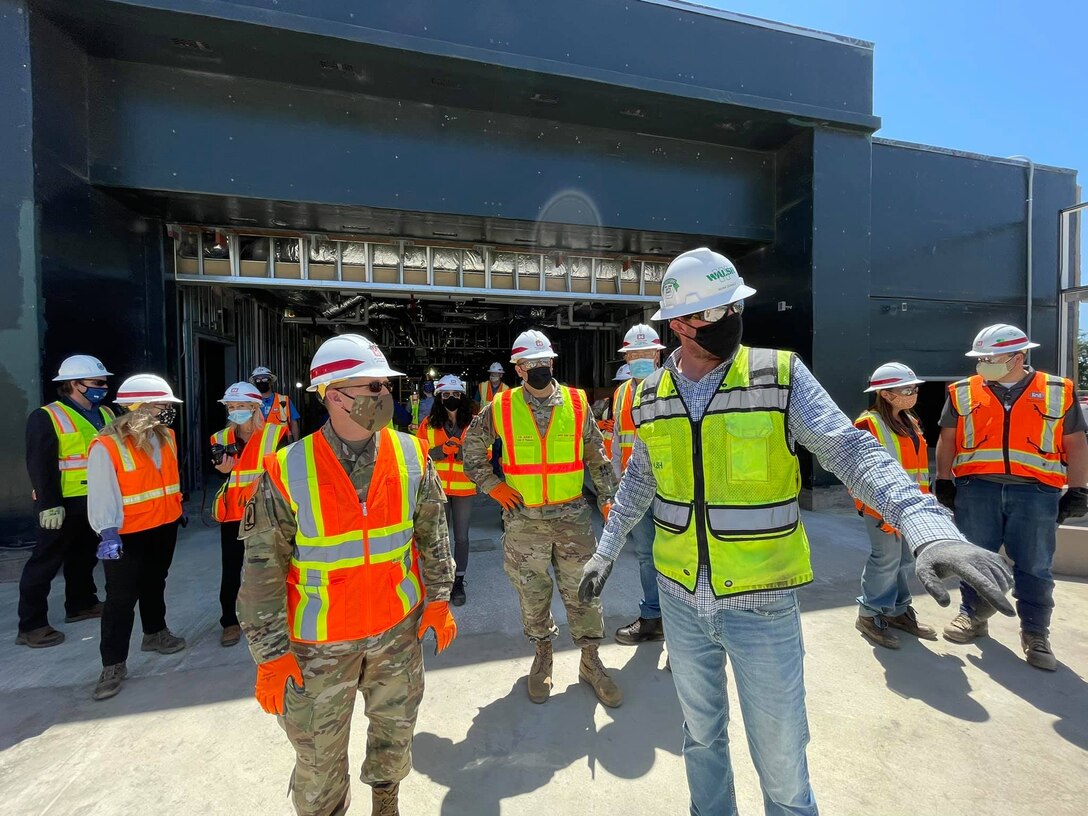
x,y
145,388
449,384
1000,339
242,392
641,337
892,375
81,367
346,356
532,345
623,373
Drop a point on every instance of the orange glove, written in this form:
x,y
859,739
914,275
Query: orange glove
x,y
506,496
272,681
437,616
606,508
606,425
451,447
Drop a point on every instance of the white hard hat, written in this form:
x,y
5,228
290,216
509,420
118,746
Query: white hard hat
x,y
641,337
999,339
449,384
262,371
241,392
532,345
145,388
345,356
697,280
892,375
622,373
80,367
496,368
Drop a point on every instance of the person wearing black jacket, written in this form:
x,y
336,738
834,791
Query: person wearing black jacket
x,y
57,438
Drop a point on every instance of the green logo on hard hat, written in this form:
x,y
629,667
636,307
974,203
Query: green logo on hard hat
x,y
669,287
721,274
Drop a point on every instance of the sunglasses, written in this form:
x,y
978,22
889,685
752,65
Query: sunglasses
x,y
95,383
718,312
528,365
905,391
451,395
372,387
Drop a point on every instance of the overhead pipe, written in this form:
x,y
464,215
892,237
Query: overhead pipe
x,y
571,323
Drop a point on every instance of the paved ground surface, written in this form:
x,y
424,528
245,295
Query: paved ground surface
x,y
931,729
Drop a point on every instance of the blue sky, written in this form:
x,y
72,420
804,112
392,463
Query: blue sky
x,y
989,76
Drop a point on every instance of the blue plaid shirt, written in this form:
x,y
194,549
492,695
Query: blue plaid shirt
x,y
815,422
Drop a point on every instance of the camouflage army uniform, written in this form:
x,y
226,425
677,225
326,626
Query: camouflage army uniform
x,y
387,668
555,534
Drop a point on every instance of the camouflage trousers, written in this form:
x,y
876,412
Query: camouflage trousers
x,y
529,547
388,670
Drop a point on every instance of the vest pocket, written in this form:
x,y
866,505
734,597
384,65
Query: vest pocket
x,y
747,446
674,517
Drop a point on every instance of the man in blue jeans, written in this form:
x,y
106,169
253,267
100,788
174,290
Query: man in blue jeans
x,y
1012,437
641,350
714,457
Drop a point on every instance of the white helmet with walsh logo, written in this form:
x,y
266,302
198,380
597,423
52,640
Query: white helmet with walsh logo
x,y
699,279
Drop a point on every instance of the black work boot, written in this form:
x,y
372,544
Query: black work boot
x,y
164,642
109,682
457,594
641,630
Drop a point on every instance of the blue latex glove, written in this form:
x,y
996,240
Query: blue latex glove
x,y
109,548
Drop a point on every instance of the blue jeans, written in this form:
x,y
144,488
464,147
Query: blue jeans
x,y
767,651
1023,517
642,536
884,589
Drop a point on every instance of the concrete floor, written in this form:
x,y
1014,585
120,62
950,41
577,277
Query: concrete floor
x,y
934,728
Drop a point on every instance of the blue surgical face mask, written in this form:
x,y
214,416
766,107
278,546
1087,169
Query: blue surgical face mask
x,y
240,417
95,395
641,369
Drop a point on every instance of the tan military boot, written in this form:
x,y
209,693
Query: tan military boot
x,y
1036,648
384,800
540,675
593,672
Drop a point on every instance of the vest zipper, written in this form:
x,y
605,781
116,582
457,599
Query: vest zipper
x,y
700,495
366,536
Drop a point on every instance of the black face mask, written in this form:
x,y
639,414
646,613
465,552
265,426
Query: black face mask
x,y
263,387
721,339
168,415
539,378
451,403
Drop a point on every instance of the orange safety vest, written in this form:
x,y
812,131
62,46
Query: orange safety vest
x,y
151,495
546,469
354,570
451,471
486,394
911,454
1027,440
279,413
624,397
230,501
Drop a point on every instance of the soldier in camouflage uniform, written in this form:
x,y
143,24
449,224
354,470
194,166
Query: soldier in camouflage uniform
x,y
311,682
540,533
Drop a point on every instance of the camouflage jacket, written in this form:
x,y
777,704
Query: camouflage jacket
x,y
268,530
481,435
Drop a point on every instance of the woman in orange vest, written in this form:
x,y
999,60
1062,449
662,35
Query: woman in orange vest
x,y
443,430
238,451
885,600
134,504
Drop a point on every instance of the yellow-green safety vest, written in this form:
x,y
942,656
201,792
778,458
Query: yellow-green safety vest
x,y
74,437
727,485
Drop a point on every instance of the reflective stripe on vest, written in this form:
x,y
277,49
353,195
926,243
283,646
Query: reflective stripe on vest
x,y
230,501
354,570
74,437
1029,442
915,462
624,397
451,472
729,502
544,469
486,393
151,495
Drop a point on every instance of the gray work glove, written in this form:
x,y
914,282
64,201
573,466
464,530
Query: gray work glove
x,y
594,574
51,519
436,454
983,570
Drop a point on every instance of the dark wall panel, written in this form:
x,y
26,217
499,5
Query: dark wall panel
x,y
153,128
19,376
